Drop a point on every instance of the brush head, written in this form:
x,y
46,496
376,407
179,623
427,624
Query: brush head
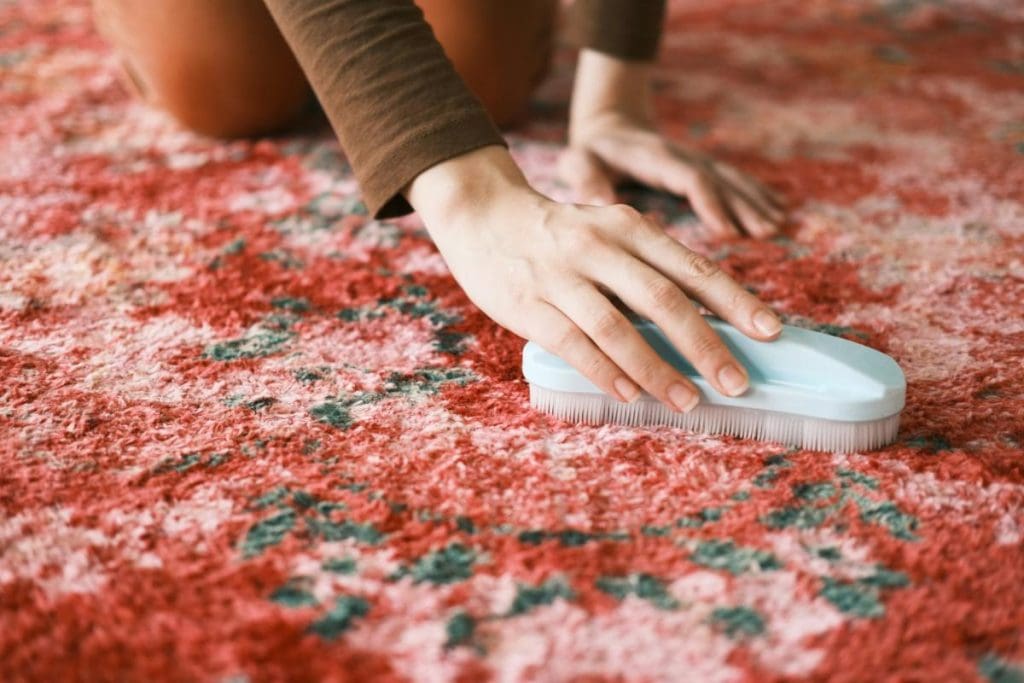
x,y
807,389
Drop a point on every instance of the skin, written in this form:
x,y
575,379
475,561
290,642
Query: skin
x,y
552,272
612,136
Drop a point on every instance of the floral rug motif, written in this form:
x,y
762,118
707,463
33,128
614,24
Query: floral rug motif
x,y
249,434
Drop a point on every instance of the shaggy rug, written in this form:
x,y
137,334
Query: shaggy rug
x,y
248,434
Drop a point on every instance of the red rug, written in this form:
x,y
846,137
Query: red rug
x,y
248,434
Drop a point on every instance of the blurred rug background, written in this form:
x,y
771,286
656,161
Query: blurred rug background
x,y
247,433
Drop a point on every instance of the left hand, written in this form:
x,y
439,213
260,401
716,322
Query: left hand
x,y
613,148
612,137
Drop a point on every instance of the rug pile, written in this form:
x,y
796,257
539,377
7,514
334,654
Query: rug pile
x,y
248,433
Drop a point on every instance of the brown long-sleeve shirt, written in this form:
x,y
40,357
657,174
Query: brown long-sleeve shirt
x,y
393,97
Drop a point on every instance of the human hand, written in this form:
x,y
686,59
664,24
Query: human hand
x,y
612,137
546,271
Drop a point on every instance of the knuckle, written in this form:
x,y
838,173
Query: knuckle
x,y
705,184
647,372
520,293
566,339
689,176
740,299
549,286
595,368
641,230
701,266
665,148
579,238
664,294
707,346
659,151
547,224
609,325
625,212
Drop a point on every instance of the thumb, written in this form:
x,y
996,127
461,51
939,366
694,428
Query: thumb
x,y
589,179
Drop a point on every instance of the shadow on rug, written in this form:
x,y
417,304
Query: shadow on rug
x,y
247,433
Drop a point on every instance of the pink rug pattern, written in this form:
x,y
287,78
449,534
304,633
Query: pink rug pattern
x,y
249,434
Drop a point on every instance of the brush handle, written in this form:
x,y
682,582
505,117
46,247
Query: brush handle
x,y
801,372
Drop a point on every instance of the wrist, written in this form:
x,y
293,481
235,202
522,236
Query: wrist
x,y
464,184
609,90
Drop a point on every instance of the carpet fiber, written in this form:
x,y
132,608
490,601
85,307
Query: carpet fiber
x,y
247,433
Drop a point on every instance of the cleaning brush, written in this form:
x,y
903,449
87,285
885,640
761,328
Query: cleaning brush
x,y
807,389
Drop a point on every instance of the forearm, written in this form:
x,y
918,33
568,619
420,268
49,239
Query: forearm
x,y
392,96
618,42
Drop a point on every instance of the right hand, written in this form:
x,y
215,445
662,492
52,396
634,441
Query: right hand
x,y
546,270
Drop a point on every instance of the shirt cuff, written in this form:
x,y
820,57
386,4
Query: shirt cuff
x,y
627,29
382,184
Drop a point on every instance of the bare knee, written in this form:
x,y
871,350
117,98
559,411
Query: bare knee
x,y
220,68
501,49
225,104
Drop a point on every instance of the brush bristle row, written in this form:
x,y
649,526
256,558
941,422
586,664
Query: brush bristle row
x,y
747,423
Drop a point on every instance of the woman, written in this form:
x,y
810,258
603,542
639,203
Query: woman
x,y
419,128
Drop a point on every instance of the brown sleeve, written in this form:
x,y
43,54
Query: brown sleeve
x,y
392,96
628,29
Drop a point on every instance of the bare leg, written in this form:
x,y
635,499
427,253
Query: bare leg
x,y
501,49
221,67
218,66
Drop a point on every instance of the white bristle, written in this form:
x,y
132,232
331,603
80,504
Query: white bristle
x,y
803,432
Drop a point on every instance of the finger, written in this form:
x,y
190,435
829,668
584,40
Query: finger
x,y
749,185
760,203
702,279
703,195
755,222
738,183
616,336
660,299
560,336
755,190
588,178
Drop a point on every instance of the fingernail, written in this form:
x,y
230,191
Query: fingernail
x,y
682,398
766,323
733,380
626,389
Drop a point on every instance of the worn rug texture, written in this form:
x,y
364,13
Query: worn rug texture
x,y
249,434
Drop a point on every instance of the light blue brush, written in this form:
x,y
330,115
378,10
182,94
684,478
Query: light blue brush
x,y
807,389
